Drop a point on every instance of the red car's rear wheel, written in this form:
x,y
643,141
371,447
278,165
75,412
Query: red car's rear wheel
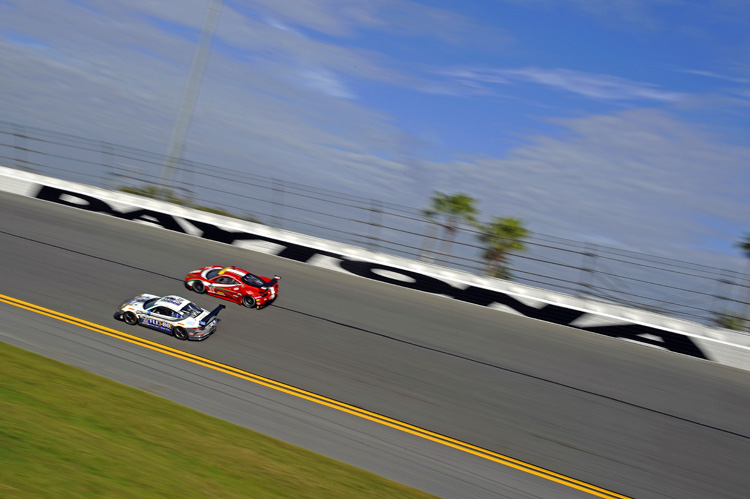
x,y
248,301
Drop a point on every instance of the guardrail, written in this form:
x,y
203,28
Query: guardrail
x,y
662,285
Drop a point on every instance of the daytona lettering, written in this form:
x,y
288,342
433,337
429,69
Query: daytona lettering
x,y
484,297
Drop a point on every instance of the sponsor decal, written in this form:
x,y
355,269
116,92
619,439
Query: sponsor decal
x,y
406,278
156,324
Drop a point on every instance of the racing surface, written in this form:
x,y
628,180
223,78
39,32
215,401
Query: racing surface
x,y
628,418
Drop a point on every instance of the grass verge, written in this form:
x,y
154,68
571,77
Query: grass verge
x,y
65,432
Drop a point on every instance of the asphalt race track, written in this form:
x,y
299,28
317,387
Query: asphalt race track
x,y
630,419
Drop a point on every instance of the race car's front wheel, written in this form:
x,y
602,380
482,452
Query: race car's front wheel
x,y
198,287
248,301
130,318
180,333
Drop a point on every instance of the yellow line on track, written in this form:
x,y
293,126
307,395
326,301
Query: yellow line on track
x,y
320,399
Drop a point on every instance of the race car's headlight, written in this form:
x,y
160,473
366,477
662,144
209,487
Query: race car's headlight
x,y
201,323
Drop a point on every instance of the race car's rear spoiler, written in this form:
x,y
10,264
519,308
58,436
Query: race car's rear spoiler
x,y
273,281
213,314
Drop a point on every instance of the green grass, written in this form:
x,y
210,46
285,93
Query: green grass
x,y
67,433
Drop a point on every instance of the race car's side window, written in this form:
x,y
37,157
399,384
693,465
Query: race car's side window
x,y
225,280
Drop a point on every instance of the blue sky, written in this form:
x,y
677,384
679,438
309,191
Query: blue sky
x,y
618,121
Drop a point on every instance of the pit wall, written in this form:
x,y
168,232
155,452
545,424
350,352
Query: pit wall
x,y
722,346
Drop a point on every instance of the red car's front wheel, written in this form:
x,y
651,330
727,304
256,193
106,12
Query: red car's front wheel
x,y
199,287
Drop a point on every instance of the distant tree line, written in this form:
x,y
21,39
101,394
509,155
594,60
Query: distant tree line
x,y
165,194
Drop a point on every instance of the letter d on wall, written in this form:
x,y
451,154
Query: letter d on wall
x,y
73,199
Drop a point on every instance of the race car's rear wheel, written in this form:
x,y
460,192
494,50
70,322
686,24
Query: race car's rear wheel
x,y
130,318
180,333
248,301
198,287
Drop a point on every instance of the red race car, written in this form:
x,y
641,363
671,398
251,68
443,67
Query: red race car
x,y
234,284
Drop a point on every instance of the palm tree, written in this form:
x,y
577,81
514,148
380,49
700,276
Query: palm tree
x,y
453,209
500,237
744,245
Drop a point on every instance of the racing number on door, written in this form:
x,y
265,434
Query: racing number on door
x,y
226,286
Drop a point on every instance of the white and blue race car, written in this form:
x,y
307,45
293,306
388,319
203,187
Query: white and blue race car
x,y
171,314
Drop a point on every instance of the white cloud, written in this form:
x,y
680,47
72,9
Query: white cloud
x,y
594,86
615,12
326,82
345,18
717,76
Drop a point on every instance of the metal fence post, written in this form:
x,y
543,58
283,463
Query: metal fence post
x,y
725,313
744,300
19,132
375,223
427,253
588,267
106,154
277,202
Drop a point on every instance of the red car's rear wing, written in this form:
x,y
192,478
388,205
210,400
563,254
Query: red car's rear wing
x,y
272,282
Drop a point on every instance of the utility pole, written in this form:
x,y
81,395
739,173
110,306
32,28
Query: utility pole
x,y
192,86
